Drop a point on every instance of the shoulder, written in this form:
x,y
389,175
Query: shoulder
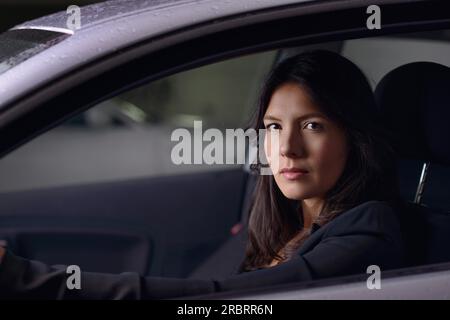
x,y
373,217
364,235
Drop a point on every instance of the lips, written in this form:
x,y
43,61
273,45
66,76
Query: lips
x,y
293,173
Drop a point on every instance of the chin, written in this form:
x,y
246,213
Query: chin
x,y
297,193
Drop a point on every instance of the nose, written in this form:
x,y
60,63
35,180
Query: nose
x,y
291,144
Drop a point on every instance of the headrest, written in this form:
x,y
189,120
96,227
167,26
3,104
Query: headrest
x,y
414,102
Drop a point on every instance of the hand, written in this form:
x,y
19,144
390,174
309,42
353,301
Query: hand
x,y
2,253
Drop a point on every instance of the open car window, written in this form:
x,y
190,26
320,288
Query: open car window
x,y
129,136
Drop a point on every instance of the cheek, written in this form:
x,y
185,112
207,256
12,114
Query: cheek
x,y
329,156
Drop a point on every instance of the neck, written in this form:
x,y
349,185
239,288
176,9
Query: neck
x,y
311,210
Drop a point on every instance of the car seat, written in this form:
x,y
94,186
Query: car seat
x,y
414,104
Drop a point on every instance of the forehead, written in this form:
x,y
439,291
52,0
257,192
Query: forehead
x,y
290,98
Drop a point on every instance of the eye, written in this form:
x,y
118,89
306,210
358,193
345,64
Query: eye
x,y
273,126
312,125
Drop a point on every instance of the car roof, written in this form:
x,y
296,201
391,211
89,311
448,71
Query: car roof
x,y
110,26
105,11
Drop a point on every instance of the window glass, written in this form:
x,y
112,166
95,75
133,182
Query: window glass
x,y
19,45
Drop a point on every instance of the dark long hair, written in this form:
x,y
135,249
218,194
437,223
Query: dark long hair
x,y
343,93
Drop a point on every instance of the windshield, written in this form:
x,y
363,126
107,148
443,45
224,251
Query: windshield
x,y
17,46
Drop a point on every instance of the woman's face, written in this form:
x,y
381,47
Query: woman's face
x,y
312,149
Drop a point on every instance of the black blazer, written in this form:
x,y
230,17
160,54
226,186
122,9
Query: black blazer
x,y
368,234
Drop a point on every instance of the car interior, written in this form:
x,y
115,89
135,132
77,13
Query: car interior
x,y
96,193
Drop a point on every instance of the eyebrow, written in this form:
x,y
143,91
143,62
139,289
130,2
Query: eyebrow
x,y
303,117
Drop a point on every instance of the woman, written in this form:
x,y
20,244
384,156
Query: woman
x,y
329,209
331,158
